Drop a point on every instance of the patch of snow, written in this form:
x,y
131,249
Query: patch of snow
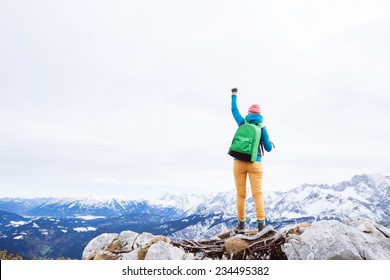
x,y
84,229
43,231
290,215
17,224
318,207
90,217
18,237
351,192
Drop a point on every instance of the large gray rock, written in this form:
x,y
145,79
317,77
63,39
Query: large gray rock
x,y
98,245
133,255
325,240
367,226
143,240
163,251
127,239
129,245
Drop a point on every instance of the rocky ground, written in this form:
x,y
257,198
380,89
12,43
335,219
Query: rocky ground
x,y
356,238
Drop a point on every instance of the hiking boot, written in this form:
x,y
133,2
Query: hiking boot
x,y
240,227
260,226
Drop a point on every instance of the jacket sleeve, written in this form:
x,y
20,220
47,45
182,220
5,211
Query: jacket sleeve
x,y
236,114
265,140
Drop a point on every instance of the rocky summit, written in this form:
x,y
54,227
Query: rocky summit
x,y
357,238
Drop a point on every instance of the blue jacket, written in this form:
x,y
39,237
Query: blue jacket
x,y
254,118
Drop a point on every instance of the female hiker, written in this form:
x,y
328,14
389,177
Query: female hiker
x,y
254,169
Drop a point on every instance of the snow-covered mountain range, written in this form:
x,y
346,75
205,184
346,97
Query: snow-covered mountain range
x,y
186,215
363,195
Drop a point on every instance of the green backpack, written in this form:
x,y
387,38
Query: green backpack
x,y
246,141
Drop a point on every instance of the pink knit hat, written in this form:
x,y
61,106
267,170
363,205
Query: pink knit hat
x,y
254,109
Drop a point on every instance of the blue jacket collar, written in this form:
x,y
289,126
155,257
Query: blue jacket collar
x,y
254,118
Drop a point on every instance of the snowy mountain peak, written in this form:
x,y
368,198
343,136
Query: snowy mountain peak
x,y
363,195
184,202
86,201
373,181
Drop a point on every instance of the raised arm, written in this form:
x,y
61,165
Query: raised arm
x,y
236,114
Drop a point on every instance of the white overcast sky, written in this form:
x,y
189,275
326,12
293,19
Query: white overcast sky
x,y
132,98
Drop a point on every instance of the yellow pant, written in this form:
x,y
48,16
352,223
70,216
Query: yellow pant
x,y
255,172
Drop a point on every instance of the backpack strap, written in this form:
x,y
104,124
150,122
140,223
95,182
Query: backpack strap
x,y
261,125
261,145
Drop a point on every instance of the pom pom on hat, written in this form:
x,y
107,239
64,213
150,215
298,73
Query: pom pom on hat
x,y
254,109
